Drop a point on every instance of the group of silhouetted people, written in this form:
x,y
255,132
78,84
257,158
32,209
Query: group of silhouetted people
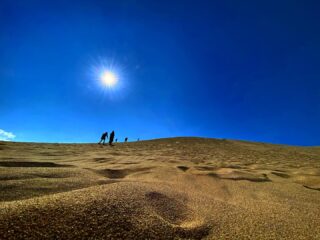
x,y
104,136
111,138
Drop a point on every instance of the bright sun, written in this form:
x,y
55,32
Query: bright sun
x,y
108,78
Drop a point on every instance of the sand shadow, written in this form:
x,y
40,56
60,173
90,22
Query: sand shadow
x,y
241,177
120,173
102,159
312,188
205,168
32,164
183,168
281,174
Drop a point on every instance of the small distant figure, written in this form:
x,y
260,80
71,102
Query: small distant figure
x,y
103,138
126,139
116,139
111,138
138,139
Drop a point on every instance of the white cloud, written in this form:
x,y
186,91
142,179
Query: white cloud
x,y
6,136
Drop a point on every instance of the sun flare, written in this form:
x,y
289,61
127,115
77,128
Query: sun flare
x,y
108,78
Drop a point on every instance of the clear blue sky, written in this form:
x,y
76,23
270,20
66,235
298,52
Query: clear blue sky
x,y
223,69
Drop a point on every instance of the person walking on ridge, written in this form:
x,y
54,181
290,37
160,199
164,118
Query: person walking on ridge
x,y
111,138
103,138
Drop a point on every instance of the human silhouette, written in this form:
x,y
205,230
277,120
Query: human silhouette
x,y
103,138
116,139
126,139
138,139
111,138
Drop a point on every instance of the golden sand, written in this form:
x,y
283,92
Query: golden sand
x,y
179,188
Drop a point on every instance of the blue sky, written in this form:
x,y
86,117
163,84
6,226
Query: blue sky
x,y
224,69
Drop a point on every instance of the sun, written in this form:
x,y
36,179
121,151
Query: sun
x,y
108,78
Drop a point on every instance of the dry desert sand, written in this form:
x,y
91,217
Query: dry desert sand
x,y
178,188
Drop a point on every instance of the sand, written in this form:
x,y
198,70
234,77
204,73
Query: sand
x,y
178,188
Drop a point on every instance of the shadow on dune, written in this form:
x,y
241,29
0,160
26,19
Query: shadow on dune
x,y
262,178
120,173
183,168
31,164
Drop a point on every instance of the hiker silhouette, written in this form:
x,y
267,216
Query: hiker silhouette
x,y
126,139
111,138
103,138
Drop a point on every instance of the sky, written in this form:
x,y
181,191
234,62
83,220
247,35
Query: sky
x,y
229,69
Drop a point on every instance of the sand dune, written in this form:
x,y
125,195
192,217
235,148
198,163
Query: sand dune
x,y
179,188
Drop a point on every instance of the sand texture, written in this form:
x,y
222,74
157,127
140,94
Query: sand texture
x,y
178,188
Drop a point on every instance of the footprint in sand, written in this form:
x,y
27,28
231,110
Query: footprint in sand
x,y
177,214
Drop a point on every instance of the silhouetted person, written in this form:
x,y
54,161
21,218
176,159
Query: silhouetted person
x,y
138,139
111,138
103,138
126,139
116,139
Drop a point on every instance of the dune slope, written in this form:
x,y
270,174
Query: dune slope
x,y
179,188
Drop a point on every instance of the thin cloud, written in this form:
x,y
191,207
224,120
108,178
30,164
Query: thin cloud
x,y
6,136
